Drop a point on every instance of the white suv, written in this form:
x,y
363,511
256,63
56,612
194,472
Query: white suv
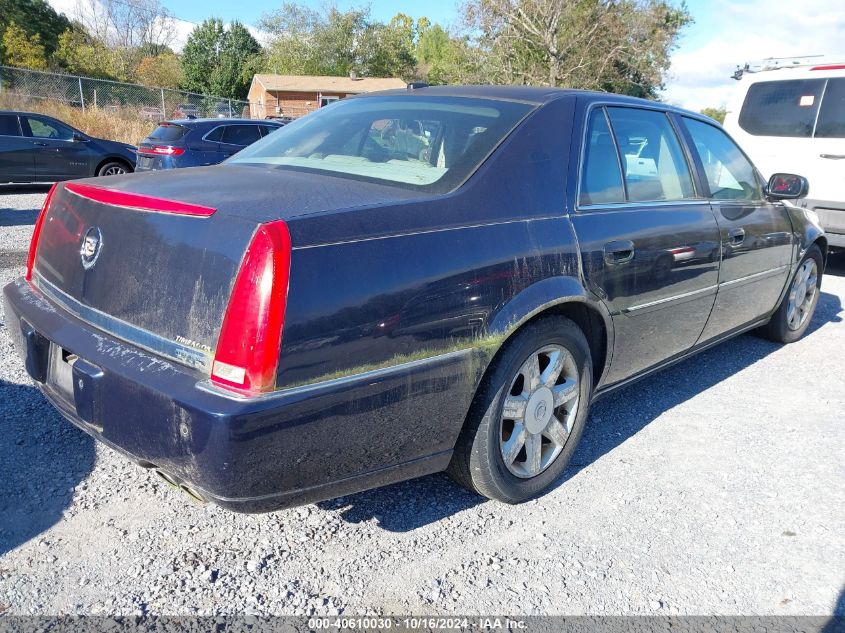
x,y
792,118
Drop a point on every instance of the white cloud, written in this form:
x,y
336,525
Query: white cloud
x,y
700,75
181,28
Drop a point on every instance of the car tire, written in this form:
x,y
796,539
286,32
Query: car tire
x,y
792,317
487,458
114,168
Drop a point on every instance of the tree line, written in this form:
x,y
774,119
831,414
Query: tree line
x,y
611,45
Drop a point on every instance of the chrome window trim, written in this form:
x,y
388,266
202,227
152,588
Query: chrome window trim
x,y
118,328
613,206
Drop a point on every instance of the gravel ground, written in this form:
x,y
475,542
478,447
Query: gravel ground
x,y
716,487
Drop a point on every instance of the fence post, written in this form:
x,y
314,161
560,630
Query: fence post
x,y
163,109
81,95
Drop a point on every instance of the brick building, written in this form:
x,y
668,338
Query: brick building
x,y
295,95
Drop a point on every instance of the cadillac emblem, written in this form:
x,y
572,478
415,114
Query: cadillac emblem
x,y
92,244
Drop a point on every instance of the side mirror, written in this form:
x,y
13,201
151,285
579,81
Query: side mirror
x,y
78,137
787,187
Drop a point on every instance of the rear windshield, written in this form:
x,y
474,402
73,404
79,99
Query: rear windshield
x,y
782,108
168,133
425,143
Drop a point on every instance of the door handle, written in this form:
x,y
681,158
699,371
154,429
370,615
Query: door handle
x,y
736,236
40,144
619,252
833,156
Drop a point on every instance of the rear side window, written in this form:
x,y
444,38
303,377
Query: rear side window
x,y
653,162
266,129
782,108
9,125
216,135
241,134
601,180
831,122
168,133
730,174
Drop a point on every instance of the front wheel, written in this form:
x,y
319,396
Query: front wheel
x,y
793,315
528,414
113,168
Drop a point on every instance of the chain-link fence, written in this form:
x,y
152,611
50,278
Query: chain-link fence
x,y
132,100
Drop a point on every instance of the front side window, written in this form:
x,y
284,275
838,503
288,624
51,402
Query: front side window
x,y
831,123
427,143
781,108
653,161
9,125
730,174
42,128
601,180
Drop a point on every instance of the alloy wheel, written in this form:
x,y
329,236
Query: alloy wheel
x,y
539,411
802,294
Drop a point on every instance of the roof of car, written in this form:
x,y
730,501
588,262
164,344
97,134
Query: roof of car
x,y
218,120
529,94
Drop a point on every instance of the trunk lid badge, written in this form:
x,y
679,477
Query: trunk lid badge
x,y
92,244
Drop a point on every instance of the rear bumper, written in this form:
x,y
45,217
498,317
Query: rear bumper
x,y
249,455
832,218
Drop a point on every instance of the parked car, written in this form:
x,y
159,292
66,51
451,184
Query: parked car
x,y
223,110
39,148
196,142
793,118
335,309
151,113
186,111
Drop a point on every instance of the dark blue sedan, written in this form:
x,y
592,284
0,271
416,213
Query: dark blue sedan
x,y
406,282
197,142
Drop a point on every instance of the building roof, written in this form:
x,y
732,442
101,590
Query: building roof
x,y
308,83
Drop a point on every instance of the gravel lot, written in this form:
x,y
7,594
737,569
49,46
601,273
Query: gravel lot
x,y
716,487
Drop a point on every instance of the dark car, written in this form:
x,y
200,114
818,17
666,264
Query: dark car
x,y
186,111
406,282
39,148
198,142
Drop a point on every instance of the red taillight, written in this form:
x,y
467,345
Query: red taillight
x,y
162,150
250,340
36,233
138,201
829,67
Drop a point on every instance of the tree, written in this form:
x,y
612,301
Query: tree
x,y
160,71
715,113
239,49
80,54
337,43
215,60
20,49
614,45
442,58
130,29
35,17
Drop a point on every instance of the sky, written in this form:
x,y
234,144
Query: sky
x,y
725,34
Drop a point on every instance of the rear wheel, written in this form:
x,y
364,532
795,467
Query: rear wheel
x,y
113,168
793,316
528,415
